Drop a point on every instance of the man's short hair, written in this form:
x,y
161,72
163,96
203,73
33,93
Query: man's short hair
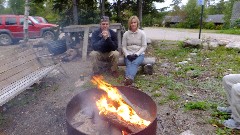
x,y
104,19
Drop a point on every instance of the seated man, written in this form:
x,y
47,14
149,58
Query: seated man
x,y
104,43
231,85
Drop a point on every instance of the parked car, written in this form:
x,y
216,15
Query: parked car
x,y
11,29
40,19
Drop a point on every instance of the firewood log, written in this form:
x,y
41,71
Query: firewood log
x,y
144,114
115,119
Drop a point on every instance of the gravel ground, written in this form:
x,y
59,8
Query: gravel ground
x,y
41,110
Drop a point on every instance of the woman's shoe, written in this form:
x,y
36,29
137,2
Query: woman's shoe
x,y
128,81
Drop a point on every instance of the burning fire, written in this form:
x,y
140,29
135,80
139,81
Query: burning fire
x,y
118,105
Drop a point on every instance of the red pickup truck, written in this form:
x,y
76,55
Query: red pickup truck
x,y
11,29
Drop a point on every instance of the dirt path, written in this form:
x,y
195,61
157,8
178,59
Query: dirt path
x,y
41,110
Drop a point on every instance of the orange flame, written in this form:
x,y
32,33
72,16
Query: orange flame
x,y
123,110
124,133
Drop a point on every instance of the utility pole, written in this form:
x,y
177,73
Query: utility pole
x,y
25,24
201,2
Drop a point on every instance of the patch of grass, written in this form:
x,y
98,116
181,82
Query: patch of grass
x,y
162,101
88,85
175,54
55,87
169,83
157,94
189,71
2,119
212,84
172,96
22,101
198,105
226,131
230,31
221,59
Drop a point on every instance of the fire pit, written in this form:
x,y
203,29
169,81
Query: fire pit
x,y
83,116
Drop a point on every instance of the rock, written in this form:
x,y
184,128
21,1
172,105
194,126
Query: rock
x,y
165,65
183,62
189,59
149,41
195,43
233,45
187,132
223,42
205,45
193,54
213,45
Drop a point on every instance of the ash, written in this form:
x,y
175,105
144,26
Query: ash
x,y
89,122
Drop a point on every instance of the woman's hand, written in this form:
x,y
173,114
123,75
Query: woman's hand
x,y
132,57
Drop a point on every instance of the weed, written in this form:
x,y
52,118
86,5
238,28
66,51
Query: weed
x,y
224,131
162,101
55,87
2,119
199,105
157,94
173,96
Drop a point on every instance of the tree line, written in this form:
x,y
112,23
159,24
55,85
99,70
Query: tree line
x,y
89,11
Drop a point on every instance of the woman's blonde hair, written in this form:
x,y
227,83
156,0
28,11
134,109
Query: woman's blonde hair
x,y
130,21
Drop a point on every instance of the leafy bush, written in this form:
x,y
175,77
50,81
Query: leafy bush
x,y
219,27
236,24
209,25
180,25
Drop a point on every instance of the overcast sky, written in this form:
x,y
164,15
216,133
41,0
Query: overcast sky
x,y
167,3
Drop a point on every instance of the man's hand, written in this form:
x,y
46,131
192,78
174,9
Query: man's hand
x,y
105,34
132,57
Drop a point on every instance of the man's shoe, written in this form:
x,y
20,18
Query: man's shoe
x,y
115,74
224,109
148,69
128,81
231,123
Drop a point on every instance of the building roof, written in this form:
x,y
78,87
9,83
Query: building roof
x,y
174,19
218,18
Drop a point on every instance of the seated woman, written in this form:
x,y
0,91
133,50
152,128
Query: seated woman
x,y
134,44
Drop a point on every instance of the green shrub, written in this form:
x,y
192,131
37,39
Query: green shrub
x,y
209,25
219,27
180,25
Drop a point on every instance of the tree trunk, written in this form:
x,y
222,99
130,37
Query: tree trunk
x,y
119,11
102,4
140,2
75,14
25,26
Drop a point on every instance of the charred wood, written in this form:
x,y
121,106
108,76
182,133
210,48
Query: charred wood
x,y
115,119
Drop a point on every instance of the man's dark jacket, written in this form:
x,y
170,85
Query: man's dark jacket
x,y
100,44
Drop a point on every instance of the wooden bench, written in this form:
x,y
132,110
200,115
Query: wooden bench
x,y
20,68
148,61
89,29
147,64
